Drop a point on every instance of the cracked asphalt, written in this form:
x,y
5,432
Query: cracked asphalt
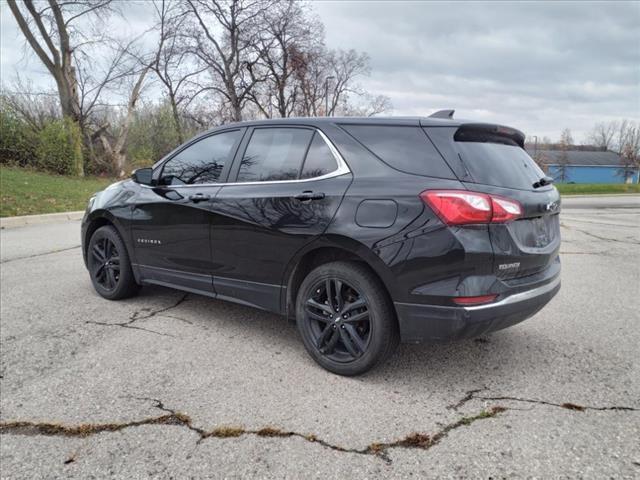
x,y
173,385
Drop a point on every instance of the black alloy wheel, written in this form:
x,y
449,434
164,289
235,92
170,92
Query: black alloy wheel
x,y
109,265
338,318
345,317
105,263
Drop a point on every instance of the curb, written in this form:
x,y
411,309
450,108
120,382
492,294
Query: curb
x,y
23,221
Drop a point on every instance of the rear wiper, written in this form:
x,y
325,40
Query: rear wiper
x,y
542,182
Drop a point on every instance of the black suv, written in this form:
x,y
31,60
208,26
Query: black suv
x,y
367,231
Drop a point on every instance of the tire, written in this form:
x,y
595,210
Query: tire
x,y
109,265
358,330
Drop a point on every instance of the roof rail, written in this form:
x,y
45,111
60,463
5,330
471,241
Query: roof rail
x,y
442,114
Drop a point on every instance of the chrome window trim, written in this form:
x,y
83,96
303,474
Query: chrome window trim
x,y
342,169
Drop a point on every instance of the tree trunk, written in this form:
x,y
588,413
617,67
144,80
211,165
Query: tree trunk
x,y
117,152
59,63
176,118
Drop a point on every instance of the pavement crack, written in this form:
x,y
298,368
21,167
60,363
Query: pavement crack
x,y
187,422
84,429
378,449
39,254
622,225
473,395
138,314
470,395
143,315
172,417
598,237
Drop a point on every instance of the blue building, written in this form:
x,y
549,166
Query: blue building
x,y
586,166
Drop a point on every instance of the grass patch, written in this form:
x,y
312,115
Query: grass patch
x,y
27,192
596,188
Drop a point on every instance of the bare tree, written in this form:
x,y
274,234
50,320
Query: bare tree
x,y
35,108
327,83
327,80
287,31
54,33
368,106
224,41
311,73
93,82
114,144
622,128
345,67
566,140
603,134
171,64
48,32
217,60
629,151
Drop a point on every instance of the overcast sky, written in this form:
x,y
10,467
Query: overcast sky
x,y
539,67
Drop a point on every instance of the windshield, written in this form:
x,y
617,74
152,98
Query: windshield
x,y
499,165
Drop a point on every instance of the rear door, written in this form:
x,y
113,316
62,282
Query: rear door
x,y
490,159
287,184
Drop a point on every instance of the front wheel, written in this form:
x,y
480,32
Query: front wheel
x,y
345,318
109,265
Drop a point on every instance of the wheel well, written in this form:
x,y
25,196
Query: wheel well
x,y
93,226
313,259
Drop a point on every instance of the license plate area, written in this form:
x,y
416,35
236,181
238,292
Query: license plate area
x,y
536,232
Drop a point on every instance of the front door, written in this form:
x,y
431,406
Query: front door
x,y
288,186
171,220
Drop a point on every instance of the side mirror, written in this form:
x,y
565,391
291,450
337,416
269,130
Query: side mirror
x,y
143,176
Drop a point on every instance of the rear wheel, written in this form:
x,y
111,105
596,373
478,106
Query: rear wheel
x,y
345,318
109,265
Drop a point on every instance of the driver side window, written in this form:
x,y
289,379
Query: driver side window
x,y
200,162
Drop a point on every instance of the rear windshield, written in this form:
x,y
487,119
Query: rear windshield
x,y
499,164
404,148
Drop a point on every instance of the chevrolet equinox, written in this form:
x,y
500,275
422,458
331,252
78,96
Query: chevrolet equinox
x,y
366,231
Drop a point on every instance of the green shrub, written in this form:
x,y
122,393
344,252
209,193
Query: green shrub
x,y
18,141
152,135
59,148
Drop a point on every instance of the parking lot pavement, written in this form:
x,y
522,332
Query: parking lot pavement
x,y
168,384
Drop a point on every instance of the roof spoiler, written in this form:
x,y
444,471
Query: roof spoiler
x,y
487,132
443,114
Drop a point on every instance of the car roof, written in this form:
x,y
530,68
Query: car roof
x,y
412,121
398,121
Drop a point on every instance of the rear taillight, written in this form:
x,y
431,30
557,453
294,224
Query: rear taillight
x,y
505,209
461,207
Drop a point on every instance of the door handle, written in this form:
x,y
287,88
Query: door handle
x,y
309,195
199,197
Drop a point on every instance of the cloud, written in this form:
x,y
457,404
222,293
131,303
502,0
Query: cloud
x,y
538,66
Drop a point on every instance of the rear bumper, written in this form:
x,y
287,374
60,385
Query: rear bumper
x,y
424,323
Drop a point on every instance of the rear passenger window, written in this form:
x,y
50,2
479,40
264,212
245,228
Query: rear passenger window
x,y
274,154
320,160
404,148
